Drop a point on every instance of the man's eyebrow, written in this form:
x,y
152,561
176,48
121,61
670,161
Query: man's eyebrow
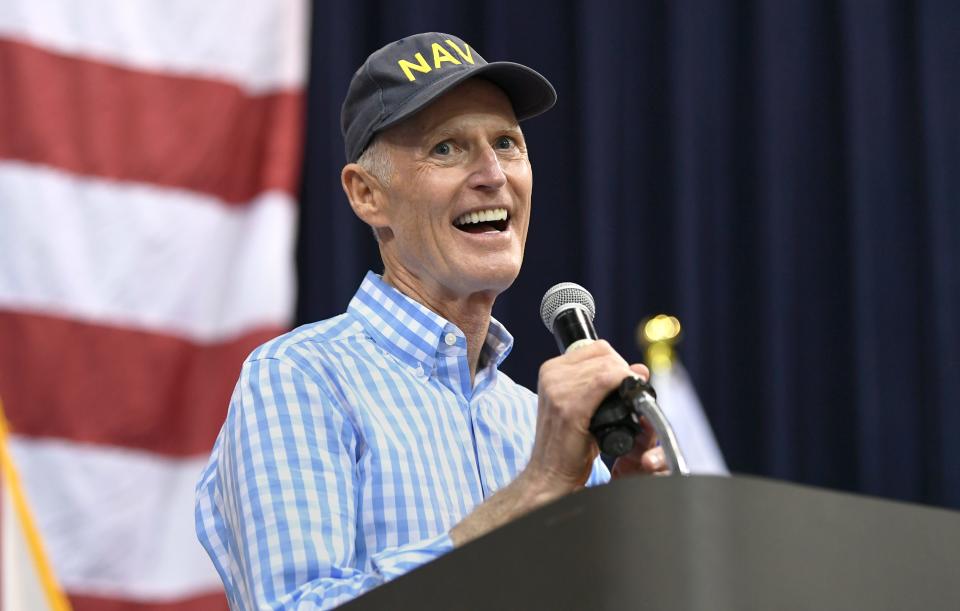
x,y
442,133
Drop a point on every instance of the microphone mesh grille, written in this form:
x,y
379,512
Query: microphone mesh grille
x,y
563,296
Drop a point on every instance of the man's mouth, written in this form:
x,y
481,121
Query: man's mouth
x,y
493,220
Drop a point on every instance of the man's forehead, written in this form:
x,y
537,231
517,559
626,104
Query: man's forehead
x,y
475,103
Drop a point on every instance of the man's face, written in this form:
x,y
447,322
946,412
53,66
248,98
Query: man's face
x,y
461,159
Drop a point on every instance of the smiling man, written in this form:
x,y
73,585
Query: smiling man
x,y
360,447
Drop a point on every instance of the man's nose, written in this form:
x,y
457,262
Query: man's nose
x,y
487,172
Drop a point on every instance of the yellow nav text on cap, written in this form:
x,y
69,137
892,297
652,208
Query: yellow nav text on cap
x,y
467,57
440,55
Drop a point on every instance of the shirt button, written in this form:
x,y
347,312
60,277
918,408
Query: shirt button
x,y
450,339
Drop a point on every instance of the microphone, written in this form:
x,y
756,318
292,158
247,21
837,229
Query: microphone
x,y
567,310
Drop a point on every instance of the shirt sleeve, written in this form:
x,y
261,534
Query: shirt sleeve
x,y
281,522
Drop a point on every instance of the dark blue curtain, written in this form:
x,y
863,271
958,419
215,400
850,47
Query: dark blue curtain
x,y
782,176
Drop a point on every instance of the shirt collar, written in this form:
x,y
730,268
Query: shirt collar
x,y
411,331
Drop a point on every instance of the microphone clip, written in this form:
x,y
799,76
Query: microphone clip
x,y
616,422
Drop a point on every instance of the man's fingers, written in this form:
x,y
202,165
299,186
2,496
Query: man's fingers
x,y
641,370
647,438
598,348
654,461
564,378
637,462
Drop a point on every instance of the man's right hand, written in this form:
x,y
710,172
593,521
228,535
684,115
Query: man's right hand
x,y
570,388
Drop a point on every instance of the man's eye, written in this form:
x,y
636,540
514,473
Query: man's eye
x,y
505,142
444,148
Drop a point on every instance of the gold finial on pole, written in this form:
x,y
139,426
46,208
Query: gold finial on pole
x,y
656,336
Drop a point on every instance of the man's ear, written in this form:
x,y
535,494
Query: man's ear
x,y
367,195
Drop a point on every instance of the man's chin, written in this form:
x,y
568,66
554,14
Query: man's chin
x,y
488,281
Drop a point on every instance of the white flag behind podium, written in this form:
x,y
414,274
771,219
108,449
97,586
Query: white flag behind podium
x,y
679,401
657,336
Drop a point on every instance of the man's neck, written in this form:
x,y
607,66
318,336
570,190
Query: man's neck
x,y
470,314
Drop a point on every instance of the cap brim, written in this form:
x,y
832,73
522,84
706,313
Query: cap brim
x,y
529,91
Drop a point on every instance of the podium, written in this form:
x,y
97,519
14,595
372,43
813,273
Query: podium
x,y
697,543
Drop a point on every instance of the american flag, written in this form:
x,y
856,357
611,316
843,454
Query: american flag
x,y
149,161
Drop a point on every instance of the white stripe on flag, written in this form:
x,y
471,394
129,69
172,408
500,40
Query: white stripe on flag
x,y
255,44
116,523
144,257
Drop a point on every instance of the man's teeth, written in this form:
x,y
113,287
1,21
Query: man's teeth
x,y
483,216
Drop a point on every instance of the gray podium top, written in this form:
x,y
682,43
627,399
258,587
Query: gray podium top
x,y
695,543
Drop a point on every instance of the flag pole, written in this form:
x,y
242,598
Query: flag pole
x,y
55,596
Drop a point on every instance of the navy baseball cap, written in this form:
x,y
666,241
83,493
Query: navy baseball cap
x,y
403,77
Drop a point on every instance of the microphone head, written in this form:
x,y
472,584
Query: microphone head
x,y
562,297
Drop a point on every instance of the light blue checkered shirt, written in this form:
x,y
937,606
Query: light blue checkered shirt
x,y
352,447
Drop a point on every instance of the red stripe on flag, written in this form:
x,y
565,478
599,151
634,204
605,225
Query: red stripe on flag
x,y
97,119
97,384
209,602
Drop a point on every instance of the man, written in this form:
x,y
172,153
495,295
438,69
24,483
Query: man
x,y
360,447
